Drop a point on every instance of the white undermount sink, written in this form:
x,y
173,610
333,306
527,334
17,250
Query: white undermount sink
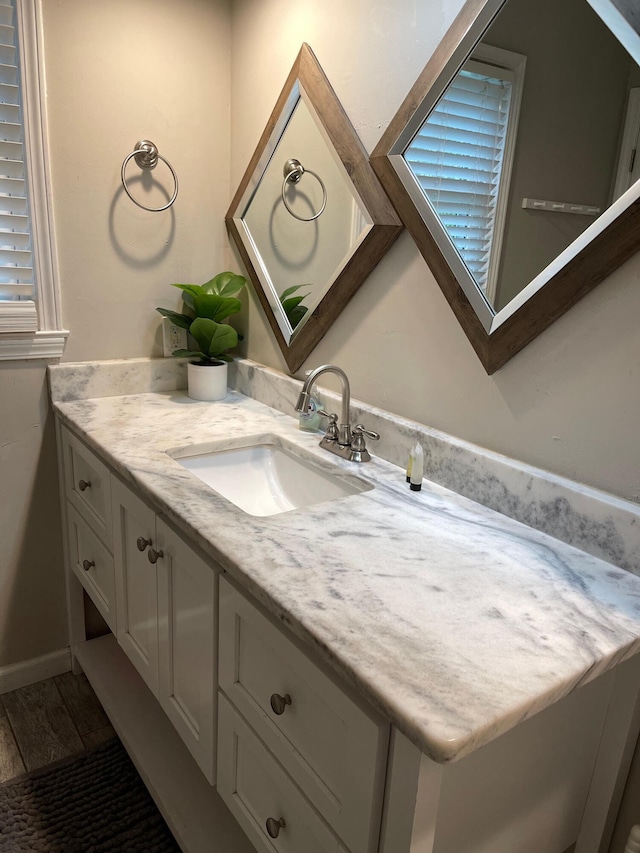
x,y
266,475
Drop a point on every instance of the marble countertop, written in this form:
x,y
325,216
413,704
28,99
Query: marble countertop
x,y
453,620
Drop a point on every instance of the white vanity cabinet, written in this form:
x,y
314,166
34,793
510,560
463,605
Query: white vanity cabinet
x,y
288,722
166,603
304,765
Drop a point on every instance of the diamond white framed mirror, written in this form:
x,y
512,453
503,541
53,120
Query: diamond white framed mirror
x,y
511,162
310,218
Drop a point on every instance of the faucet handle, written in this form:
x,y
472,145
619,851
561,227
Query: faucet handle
x,y
360,430
359,452
357,438
332,429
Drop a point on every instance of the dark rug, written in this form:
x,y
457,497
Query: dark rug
x,y
91,803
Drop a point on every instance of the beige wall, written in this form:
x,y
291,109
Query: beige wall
x,y
569,402
117,71
32,609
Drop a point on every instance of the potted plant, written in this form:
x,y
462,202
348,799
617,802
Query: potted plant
x,y
206,306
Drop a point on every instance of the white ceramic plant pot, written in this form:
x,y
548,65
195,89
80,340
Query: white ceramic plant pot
x,y
207,381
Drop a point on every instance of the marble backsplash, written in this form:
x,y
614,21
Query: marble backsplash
x,y
591,520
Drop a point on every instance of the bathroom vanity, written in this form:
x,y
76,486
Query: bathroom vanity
x,y
386,672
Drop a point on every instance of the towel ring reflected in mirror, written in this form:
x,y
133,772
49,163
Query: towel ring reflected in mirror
x,y
305,268
522,216
293,171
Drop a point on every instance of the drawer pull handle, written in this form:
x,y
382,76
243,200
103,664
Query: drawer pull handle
x,y
142,543
86,564
274,826
154,555
84,484
279,703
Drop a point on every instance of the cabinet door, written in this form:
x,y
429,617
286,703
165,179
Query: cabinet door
x,y
187,642
136,583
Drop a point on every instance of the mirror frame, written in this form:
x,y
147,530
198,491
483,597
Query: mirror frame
x,y
339,133
617,236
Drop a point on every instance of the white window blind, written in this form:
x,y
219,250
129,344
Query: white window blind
x,y
16,265
458,156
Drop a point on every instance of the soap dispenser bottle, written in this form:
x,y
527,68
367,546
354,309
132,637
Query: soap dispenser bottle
x,y
415,468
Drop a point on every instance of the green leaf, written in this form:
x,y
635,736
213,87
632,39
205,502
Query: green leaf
x,y
294,316
195,289
202,331
293,302
177,319
189,292
215,307
213,338
225,284
290,290
213,300
225,337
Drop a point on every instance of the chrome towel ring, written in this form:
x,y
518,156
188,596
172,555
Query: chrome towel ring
x,y
293,170
146,155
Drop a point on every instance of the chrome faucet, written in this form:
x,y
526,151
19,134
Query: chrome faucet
x,y
339,438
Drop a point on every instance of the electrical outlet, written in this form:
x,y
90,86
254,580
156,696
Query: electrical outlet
x,y
173,337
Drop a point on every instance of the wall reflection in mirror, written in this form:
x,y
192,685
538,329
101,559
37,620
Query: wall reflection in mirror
x,y
532,139
299,251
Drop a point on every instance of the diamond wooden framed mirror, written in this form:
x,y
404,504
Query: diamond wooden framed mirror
x,y
309,234
510,162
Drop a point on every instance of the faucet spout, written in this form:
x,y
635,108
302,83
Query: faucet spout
x,y
344,430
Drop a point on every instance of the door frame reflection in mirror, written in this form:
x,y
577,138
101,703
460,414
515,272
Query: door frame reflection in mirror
x,y
306,79
608,242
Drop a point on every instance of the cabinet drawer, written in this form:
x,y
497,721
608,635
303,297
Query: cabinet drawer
x,y
87,485
332,747
256,788
93,565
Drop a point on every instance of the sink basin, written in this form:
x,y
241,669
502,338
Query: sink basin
x,y
266,475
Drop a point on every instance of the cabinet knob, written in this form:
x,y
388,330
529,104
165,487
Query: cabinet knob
x,y
279,703
154,555
274,826
86,564
84,484
142,543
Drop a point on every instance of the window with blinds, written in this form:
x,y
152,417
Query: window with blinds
x,y
16,267
458,157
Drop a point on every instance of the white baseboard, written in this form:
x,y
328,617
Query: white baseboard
x,y
36,669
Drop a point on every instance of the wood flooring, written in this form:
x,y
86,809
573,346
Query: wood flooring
x,y
45,722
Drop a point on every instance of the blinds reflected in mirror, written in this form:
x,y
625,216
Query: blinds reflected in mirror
x,y
461,157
